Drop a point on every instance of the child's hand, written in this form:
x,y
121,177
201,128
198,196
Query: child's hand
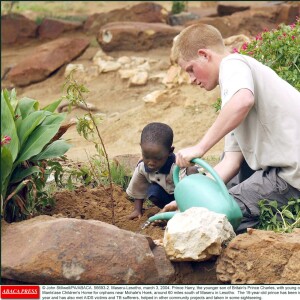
x,y
170,207
135,214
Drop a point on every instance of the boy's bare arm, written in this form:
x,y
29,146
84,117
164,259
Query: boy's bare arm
x,y
137,211
229,166
231,115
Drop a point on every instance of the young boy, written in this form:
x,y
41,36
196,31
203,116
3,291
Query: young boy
x,y
259,120
153,176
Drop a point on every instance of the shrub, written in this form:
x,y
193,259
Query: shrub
x,y
87,126
29,143
278,49
178,6
279,219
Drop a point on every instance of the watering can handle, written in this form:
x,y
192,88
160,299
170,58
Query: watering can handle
x,y
207,167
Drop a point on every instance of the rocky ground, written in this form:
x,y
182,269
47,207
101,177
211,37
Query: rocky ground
x,y
188,110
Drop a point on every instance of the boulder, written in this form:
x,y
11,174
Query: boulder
x,y
52,28
261,257
107,65
155,96
229,9
136,36
236,41
140,78
16,28
48,250
182,18
249,22
196,234
46,59
142,12
81,73
175,76
288,13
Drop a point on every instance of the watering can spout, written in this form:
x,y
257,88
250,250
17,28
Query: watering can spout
x,y
163,216
160,216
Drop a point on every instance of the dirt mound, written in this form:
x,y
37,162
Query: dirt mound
x,y
96,204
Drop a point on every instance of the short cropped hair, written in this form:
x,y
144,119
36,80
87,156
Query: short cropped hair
x,y
197,36
157,133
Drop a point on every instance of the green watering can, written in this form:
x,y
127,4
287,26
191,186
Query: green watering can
x,y
198,190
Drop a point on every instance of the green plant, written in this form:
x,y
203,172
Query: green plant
x,y
178,6
87,127
278,49
30,142
119,175
93,173
217,104
279,219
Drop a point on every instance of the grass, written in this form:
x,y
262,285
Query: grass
x,y
57,9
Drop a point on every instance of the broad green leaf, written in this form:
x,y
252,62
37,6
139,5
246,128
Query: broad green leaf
x,y
54,118
288,214
26,126
27,106
53,106
20,175
11,97
6,167
37,141
8,126
273,204
56,149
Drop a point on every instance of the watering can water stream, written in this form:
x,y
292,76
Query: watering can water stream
x,y
198,190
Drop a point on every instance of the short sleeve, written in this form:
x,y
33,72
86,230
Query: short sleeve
x,y
138,184
235,74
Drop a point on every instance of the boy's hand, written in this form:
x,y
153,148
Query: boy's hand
x,y
170,207
135,214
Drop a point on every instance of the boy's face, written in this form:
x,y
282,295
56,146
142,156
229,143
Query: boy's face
x,y
201,71
154,155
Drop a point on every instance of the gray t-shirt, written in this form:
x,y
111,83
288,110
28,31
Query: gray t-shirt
x,y
270,134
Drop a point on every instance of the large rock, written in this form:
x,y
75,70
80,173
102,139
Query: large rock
x,y
249,22
182,18
229,9
46,59
52,28
261,257
16,28
136,36
253,21
196,235
142,12
288,12
236,42
47,250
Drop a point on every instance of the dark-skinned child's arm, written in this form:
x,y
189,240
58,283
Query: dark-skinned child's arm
x,y
138,207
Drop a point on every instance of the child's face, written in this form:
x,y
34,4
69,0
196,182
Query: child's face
x,y
201,72
154,155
